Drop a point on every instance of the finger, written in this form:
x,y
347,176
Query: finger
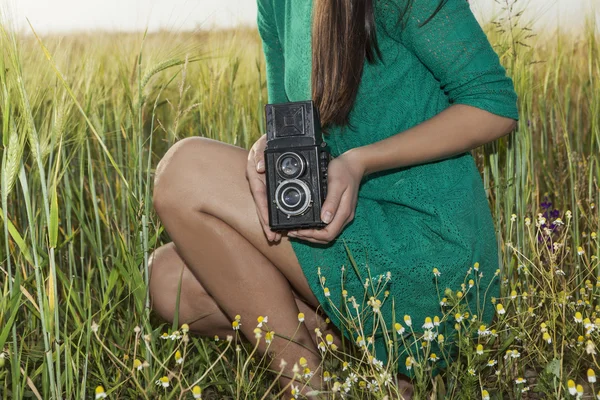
x,y
259,193
259,155
335,191
331,231
308,239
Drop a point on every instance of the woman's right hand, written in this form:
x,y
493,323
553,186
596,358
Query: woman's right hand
x,y
255,173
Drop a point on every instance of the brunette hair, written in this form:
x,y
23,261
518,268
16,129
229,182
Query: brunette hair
x,y
343,34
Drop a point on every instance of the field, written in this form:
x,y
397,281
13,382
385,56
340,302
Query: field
x,y
85,119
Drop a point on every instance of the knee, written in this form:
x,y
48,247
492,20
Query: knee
x,y
160,266
178,173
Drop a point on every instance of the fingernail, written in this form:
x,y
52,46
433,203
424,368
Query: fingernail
x,y
260,165
292,234
327,217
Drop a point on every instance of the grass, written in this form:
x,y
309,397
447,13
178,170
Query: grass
x,y
85,119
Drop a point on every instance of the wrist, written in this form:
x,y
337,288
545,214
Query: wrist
x,y
355,157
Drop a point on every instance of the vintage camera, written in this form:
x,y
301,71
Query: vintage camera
x,y
296,160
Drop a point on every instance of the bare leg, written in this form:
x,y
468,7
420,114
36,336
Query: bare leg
x,y
196,307
202,197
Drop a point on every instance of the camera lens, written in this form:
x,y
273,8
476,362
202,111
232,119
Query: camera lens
x,y
290,165
293,197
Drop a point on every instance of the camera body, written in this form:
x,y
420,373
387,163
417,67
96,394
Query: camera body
x,y
296,161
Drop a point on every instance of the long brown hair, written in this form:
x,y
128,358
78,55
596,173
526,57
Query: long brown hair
x,y
343,35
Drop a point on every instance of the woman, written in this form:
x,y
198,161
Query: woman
x,y
404,196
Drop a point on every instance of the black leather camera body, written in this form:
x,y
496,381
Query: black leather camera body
x,y
296,160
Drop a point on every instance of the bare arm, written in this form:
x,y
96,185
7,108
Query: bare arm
x,y
455,130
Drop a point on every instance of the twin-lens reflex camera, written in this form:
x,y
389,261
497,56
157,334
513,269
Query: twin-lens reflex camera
x,y
296,160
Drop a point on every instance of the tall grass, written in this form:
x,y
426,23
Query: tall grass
x,y
85,119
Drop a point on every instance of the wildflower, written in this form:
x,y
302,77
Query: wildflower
x,y
262,320
257,332
344,293
433,357
100,393
558,221
572,387
483,331
197,392
307,373
323,279
428,323
590,347
580,339
377,363
321,346
303,362
436,272
471,283
440,338
399,328
185,328
235,325
459,295
94,327
500,309
295,391
376,304
345,365
178,358
476,266
326,292
458,317
165,335
492,362
164,382
479,349
578,317
326,376
360,341
518,381
318,332
301,317
237,317
269,336
513,294
216,338
527,221
471,371
484,393
407,320
579,391
175,335
580,251
409,362
137,329
591,376
436,321
329,338
444,302
428,336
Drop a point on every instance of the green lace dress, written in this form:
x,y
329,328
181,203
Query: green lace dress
x,y
409,220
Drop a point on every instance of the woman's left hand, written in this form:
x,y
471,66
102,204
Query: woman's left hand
x,y
343,180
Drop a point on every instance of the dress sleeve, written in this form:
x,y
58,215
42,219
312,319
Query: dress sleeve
x,y
454,47
274,58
